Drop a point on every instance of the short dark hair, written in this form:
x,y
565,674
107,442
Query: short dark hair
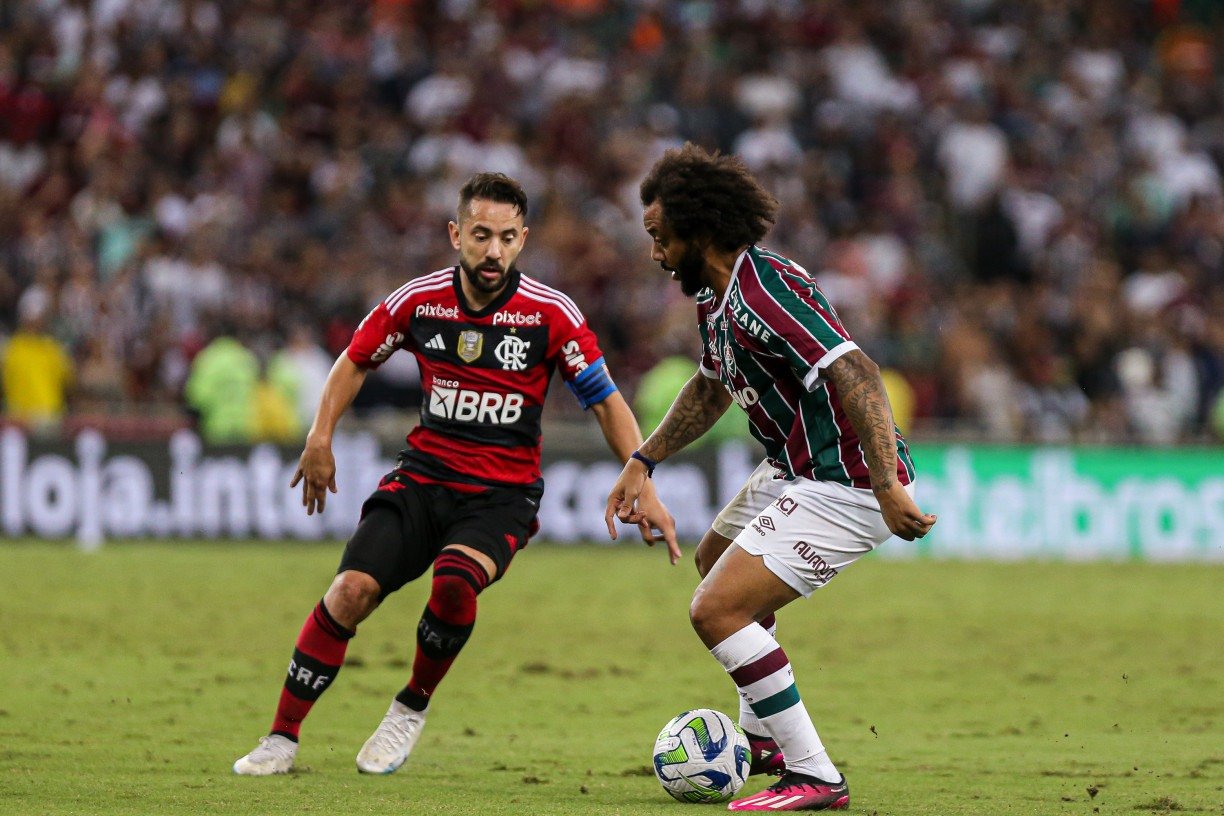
x,y
709,196
492,187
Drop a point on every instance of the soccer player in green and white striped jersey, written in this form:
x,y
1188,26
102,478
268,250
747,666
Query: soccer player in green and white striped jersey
x,y
774,345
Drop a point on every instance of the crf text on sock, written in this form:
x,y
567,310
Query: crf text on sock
x,y
306,677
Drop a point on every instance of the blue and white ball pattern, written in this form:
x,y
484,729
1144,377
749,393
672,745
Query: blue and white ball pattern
x,y
701,756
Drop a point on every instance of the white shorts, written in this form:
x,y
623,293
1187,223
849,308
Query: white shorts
x,y
761,490
814,530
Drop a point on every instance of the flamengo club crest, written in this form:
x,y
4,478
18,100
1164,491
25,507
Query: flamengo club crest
x,y
511,352
471,342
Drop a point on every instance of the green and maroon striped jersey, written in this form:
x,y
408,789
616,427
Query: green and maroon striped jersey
x,y
769,341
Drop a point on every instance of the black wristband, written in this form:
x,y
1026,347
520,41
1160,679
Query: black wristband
x,y
645,460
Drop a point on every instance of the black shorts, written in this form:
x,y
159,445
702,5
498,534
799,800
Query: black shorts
x,y
496,522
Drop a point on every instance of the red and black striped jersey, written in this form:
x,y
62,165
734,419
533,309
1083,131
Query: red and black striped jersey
x,y
484,373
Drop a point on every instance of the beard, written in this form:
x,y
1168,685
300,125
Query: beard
x,y
688,271
478,281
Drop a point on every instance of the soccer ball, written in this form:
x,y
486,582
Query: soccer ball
x,y
701,756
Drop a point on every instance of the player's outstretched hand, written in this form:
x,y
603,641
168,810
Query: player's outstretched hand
x,y
657,524
901,514
633,501
624,496
317,472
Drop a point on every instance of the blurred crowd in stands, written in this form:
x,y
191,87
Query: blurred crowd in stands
x,y
1016,205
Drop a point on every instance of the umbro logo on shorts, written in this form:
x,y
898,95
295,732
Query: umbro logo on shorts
x,y
762,524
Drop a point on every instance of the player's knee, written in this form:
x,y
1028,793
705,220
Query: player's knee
x,y
352,597
452,596
457,580
703,613
450,614
717,612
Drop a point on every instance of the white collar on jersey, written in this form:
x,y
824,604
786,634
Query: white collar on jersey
x,y
731,281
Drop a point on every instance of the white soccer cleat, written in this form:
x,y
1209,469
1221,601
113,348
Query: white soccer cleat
x,y
392,741
273,755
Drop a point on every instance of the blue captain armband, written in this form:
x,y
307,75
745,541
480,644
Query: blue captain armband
x,y
593,384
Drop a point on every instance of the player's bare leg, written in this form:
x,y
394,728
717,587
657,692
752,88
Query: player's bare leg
x,y
460,573
737,592
709,550
766,756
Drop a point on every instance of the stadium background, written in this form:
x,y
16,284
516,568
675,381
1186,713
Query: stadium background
x,y
1017,207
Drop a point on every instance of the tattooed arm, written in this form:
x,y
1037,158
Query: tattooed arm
x,y
696,408
701,402
857,381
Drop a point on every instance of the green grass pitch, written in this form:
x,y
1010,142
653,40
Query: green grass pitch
x,y
134,677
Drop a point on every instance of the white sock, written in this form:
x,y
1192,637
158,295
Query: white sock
x,y
747,717
819,766
765,680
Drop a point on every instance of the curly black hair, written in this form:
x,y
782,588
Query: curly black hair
x,y
709,196
492,187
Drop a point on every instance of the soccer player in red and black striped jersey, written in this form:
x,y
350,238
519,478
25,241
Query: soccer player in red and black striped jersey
x,y
464,496
774,345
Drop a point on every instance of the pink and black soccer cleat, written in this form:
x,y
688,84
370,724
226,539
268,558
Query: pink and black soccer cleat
x,y
797,792
765,755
